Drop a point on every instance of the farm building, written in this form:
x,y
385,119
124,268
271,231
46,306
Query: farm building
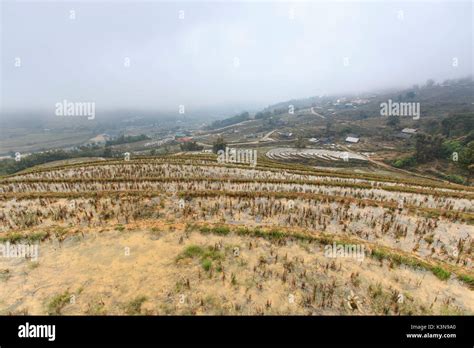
x,y
286,134
409,130
352,140
184,139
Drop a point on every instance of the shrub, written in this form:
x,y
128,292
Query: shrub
x,y
12,238
469,280
205,230
221,230
441,273
191,252
206,264
119,228
196,251
455,178
379,254
57,303
37,236
135,306
404,162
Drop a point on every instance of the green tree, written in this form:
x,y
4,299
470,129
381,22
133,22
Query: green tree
x,y
393,121
328,129
404,162
300,142
466,155
428,147
219,144
430,83
191,146
107,152
450,146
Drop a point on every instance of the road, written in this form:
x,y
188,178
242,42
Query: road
x,y
315,113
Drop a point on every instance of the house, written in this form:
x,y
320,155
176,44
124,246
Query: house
x,y
286,134
184,139
406,133
360,101
409,130
352,140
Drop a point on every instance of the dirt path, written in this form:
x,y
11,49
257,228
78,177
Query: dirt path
x,y
393,169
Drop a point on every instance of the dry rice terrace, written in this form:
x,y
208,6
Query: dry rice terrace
x,y
186,235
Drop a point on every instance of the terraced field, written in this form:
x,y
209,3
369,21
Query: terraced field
x,y
187,235
326,155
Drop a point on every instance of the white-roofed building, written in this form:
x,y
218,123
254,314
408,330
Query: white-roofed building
x,y
409,130
352,140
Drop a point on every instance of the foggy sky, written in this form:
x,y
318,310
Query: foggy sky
x,y
190,61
